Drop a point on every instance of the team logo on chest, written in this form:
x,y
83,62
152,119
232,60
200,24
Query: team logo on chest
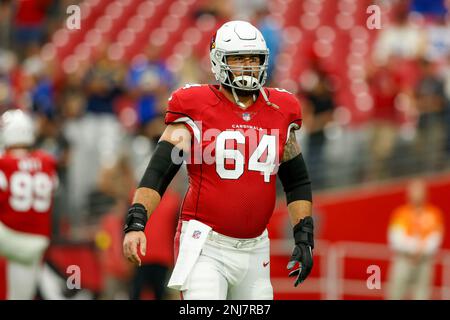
x,y
247,116
196,234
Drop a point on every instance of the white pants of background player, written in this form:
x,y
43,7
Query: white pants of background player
x,y
23,253
230,268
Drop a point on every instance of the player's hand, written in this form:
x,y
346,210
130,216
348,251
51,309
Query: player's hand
x,y
132,240
302,255
134,233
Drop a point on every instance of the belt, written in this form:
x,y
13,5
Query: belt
x,y
235,242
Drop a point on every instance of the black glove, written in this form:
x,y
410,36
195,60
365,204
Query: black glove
x,y
136,218
304,243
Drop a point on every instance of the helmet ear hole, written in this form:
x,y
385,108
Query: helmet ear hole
x,y
262,59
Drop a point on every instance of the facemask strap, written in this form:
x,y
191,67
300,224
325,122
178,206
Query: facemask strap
x,y
270,104
236,98
265,96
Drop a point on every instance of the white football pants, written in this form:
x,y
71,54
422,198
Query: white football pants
x,y
230,268
21,254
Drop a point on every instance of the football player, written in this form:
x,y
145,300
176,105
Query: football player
x,y
27,183
236,138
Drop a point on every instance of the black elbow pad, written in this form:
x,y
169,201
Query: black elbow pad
x,y
295,179
163,166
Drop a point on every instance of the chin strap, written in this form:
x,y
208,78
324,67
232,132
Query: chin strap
x,y
240,104
236,98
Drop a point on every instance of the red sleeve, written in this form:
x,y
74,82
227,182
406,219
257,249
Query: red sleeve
x,y
289,106
175,112
178,112
296,114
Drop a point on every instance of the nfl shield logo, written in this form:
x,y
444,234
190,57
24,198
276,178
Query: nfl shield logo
x,y
246,116
196,234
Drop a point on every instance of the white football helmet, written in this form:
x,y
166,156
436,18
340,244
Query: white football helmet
x,y
239,38
17,129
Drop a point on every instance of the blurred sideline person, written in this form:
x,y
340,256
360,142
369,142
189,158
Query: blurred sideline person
x,y
152,275
415,235
27,183
235,137
51,138
149,82
430,104
319,106
115,270
385,88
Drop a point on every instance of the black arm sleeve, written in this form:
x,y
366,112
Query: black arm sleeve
x,y
164,164
295,179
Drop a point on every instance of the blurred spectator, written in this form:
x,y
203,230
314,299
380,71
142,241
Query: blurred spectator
x,y
7,64
272,34
149,82
153,129
438,41
245,9
318,109
193,71
221,10
415,235
103,83
402,38
29,22
445,71
447,138
39,80
57,15
114,183
12,79
385,87
6,101
96,137
430,103
73,106
5,23
51,139
434,8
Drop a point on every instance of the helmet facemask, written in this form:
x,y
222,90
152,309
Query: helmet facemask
x,y
245,79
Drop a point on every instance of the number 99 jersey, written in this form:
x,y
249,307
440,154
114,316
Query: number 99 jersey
x,y
27,184
235,154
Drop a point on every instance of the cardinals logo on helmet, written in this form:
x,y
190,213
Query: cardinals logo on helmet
x,y
212,44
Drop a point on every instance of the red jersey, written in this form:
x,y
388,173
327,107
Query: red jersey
x,y
235,155
27,182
